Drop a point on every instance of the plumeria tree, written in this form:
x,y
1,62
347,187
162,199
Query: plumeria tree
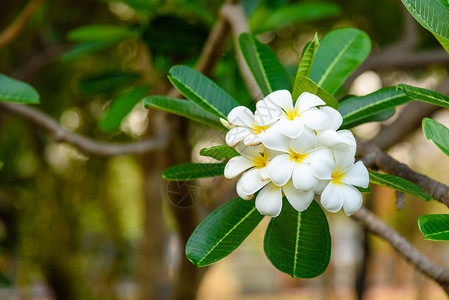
x,y
287,143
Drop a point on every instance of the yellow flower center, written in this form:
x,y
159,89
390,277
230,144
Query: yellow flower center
x,y
258,129
261,161
297,157
291,114
337,176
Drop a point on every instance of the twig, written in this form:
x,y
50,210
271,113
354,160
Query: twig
x,y
403,247
372,156
11,32
236,18
84,144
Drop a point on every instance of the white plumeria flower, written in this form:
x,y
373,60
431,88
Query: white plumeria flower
x,y
291,120
269,199
244,127
299,160
340,191
253,159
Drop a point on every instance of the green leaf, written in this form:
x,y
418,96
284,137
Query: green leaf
x,y
293,14
433,16
268,72
299,243
106,82
434,227
437,133
305,64
13,90
424,95
202,91
191,171
94,33
86,48
304,84
222,232
341,51
120,108
357,110
183,108
219,152
398,184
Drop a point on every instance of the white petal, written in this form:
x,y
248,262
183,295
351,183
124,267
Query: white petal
x,y
321,186
291,128
307,100
281,98
241,193
267,112
303,178
252,140
322,162
226,124
249,152
236,135
330,138
332,197
241,116
263,173
269,200
251,182
300,200
273,139
335,118
356,175
344,156
353,199
237,165
349,137
280,168
315,119
305,142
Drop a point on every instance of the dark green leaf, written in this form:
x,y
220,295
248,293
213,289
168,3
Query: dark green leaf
x,y
358,110
424,95
202,91
191,171
13,90
270,75
299,243
437,133
433,16
293,14
94,33
222,232
341,51
434,227
184,108
219,152
108,81
86,48
120,108
304,84
398,184
305,64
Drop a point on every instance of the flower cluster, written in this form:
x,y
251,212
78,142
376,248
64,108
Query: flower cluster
x,y
296,150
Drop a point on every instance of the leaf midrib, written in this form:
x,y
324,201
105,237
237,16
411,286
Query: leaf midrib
x,y
427,235
352,113
227,233
334,62
298,226
259,59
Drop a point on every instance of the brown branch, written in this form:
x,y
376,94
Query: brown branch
x,y
84,144
11,32
236,18
372,156
421,262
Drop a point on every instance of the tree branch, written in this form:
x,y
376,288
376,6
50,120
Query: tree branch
x,y
11,32
372,156
421,262
84,144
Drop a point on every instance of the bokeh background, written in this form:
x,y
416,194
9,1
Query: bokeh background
x,y
76,226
